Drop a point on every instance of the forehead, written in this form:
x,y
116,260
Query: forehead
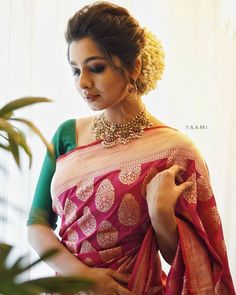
x,y
80,50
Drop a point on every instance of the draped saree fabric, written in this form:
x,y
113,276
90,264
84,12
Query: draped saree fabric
x,y
100,195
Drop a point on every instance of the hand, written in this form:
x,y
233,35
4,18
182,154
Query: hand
x,y
162,192
107,282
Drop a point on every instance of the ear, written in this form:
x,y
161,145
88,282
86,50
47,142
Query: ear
x,y
137,68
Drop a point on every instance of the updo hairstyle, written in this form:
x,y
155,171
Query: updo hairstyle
x,y
117,33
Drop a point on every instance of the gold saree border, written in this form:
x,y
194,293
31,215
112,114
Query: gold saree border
x,y
95,160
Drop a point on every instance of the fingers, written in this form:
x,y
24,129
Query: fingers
x,y
188,185
183,186
118,276
122,278
175,169
178,179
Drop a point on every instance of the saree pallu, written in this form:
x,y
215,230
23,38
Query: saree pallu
x,y
100,195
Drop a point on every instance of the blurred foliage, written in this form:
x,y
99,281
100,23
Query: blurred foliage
x,y
12,136
9,277
10,283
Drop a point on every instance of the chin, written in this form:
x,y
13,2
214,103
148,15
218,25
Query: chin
x,y
96,108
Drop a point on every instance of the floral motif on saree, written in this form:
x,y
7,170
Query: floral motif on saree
x,y
100,195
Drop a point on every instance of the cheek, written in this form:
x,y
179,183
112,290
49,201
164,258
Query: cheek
x,y
114,84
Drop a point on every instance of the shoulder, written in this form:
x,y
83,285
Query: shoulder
x,y
179,140
83,131
72,133
66,129
169,138
183,150
69,123
83,122
64,137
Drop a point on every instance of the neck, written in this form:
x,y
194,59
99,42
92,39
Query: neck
x,y
124,111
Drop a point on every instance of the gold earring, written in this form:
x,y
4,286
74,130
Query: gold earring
x,y
132,91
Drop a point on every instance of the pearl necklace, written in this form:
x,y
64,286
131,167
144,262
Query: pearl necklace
x,y
115,133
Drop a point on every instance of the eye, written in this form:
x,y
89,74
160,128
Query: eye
x,y
76,72
97,69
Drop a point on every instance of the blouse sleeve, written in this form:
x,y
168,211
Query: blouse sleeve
x,y
41,209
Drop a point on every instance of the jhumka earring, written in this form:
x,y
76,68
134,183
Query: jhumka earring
x,y
132,91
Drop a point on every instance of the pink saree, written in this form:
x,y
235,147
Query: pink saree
x,y
99,193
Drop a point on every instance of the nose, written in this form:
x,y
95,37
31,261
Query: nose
x,y
84,81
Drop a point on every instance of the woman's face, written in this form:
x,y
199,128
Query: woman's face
x,y
99,83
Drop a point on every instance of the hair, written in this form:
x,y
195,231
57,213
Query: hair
x,y
117,33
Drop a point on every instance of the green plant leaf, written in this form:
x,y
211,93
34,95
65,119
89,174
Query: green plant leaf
x,y
27,289
9,287
14,148
20,103
9,272
8,275
62,284
16,268
3,136
4,252
37,131
10,130
14,139
5,147
25,146
7,115
43,257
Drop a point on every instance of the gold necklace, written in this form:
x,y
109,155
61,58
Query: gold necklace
x,y
115,133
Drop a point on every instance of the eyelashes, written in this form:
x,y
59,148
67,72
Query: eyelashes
x,y
75,72
96,69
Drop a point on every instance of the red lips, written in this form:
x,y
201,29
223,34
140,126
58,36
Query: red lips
x,y
91,95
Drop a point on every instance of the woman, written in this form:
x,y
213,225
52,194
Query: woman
x,y
126,186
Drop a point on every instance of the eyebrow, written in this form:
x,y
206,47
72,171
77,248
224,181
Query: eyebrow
x,y
87,60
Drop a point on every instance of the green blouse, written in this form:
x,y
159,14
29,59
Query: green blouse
x,y
64,140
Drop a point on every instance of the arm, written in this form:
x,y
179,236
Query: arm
x,y
106,281
162,195
166,233
42,221
42,238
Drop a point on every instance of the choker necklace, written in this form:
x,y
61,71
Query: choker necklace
x,y
114,133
